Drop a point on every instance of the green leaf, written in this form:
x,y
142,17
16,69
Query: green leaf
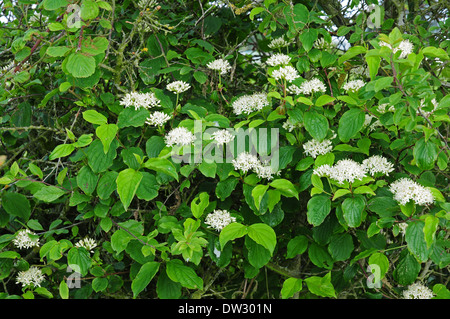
x,y
425,154
166,288
435,53
106,133
255,11
49,193
79,260
373,63
131,117
80,65
231,232
341,246
290,287
17,205
257,255
324,99
89,10
296,246
120,240
258,193
97,159
383,83
94,117
353,209
87,180
127,183
225,188
203,201
430,228
351,52
63,290
321,286
99,284
57,51
264,235
307,38
316,124
350,123
285,187
61,150
406,271
318,208
107,184
381,261
415,238
148,187
143,277
162,165
54,4
185,275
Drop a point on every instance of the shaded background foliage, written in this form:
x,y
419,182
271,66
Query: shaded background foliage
x,y
52,74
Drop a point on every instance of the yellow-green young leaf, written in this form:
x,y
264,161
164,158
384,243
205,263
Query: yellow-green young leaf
x,y
264,235
106,133
431,225
255,11
61,150
321,286
324,99
364,190
381,261
199,204
80,65
353,51
231,232
162,165
185,275
258,193
285,187
128,182
64,290
94,117
341,192
290,287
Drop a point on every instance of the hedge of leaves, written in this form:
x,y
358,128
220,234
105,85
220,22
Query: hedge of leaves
x,y
98,96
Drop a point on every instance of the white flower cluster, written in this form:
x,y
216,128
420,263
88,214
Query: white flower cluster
x,y
311,86
422,105
360,71
321,44
88,243
278,43
221,65
406,189
219,219
403,227
278,59
246,161
179,136
344,170
349,170
288,126
23,240
418,291
377,164
178,87
406,47
157,118
32,276
353,85
249,103
368,122
287,73
138,100
222,136
314,147
382,108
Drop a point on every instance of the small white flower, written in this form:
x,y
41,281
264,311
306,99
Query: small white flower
x,y
265,171
138,100
422,105
311,86
178,87
406,47
406,189
247,104
288,126
344,170
321,44
219,219
314,147
288,73
278,59
418,291
23,240
360,71
382,108
377,164
246,161
278,43
157,118
88,243
32,276
222,136
179,136
221,65
403,227
353,85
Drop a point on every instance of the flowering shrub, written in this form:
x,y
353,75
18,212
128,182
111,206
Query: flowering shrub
x,y
195,149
